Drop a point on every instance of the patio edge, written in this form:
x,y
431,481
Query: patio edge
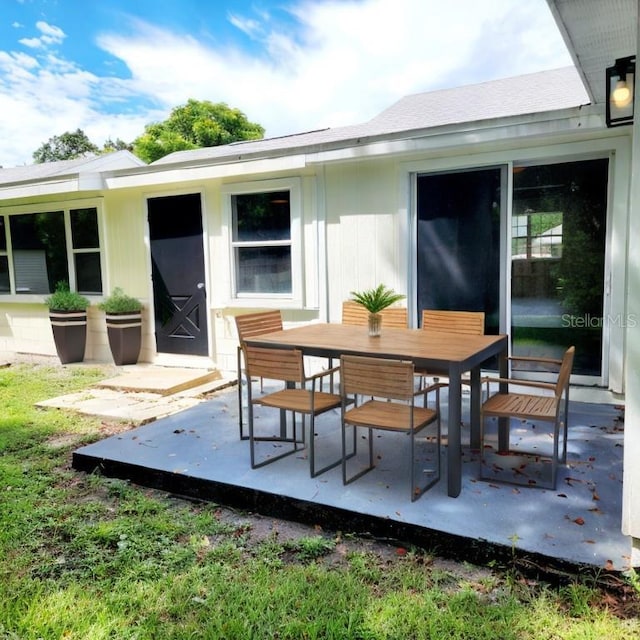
x,y
474,550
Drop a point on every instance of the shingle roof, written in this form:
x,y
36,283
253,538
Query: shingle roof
x,y
527,94
531,93
35,172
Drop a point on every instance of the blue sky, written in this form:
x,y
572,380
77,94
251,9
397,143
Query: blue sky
x,y
110,67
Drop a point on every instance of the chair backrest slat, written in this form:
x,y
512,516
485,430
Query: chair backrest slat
x,y
354,314
255,324
274,364
463,322
377,377
564,374
395,317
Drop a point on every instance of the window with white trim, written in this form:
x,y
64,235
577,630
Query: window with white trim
x,y
5,283
40,249
261,243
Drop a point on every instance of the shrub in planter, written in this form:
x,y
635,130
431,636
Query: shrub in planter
x,y
374,301
124,326
68,316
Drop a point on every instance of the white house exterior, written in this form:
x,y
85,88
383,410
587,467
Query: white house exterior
x,y
443,197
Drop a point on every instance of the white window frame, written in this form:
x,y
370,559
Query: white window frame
x,y
46,207
72,251
294,187
4,253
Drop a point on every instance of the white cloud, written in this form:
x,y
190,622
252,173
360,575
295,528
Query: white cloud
x,y
346,62
350,61
246,25
50,33
32,43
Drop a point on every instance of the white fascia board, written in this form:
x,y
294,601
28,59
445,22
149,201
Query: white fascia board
x,y
160,174
54,186
579,122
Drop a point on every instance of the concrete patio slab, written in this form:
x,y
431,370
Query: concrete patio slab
x,y
197,452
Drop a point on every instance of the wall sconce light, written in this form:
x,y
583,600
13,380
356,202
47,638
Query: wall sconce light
x,y
620,91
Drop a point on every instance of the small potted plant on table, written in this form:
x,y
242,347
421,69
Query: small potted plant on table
x,y
374,301
68,316
124,326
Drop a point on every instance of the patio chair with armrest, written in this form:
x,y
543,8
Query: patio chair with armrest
x,y
249,325
383,397
530,408
299,395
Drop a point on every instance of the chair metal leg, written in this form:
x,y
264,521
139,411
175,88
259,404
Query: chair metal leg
x,y
416,489
312,464
240,399
360,473
253,440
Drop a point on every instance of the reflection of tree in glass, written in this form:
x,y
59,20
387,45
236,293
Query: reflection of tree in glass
x,y
580,273
49,228
262,216
84,228
576,192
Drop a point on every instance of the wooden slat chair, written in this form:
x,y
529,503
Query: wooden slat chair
x,y
552,407
300,395
465,322
353,313
249,325
461,322
382,394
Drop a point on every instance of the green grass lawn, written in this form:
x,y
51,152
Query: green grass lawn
x,y
87,557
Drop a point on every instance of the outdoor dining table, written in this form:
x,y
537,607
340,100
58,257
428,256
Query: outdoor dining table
x,y
450,354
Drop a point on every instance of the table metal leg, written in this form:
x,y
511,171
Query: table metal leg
x,y
454,446
503,423
475,402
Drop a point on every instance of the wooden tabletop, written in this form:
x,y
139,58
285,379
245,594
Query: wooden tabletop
x,y
422,346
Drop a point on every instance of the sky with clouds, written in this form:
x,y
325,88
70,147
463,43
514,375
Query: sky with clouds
x,y
110,67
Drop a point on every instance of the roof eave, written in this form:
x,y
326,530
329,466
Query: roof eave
x,y
54,185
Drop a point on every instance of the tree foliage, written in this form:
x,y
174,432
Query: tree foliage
x,y
116,145
68,146
194,125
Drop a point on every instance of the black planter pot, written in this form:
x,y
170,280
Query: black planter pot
x,y
125,336
69,334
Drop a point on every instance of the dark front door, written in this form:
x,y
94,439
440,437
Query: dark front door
x,y
177,264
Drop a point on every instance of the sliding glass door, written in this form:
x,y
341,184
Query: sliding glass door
x,y
558,235
554,246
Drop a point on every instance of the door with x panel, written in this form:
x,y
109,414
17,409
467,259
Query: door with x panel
x,y
177,266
